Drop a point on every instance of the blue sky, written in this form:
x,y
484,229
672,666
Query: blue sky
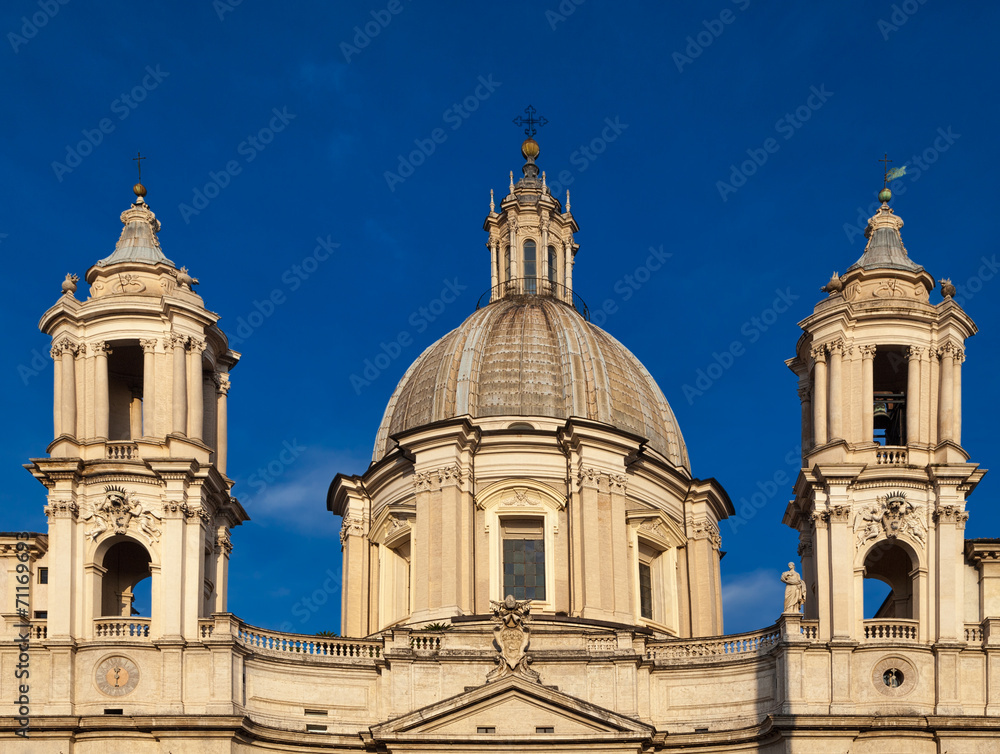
x,y
740,138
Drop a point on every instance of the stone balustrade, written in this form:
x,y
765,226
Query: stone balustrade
x,y
122,629
290,645
891,631
890,456
122,451
732,647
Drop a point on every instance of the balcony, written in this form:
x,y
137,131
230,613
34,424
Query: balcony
x,y
895,631
890,455
122,629
122,451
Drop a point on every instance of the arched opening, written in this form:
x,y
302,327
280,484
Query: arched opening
x,y
889,372
889,582
126,585
553,265
125,392
530,267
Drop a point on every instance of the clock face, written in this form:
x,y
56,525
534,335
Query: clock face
x,y
117,676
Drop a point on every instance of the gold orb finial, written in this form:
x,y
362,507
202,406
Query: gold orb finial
x,y
529,149
139,190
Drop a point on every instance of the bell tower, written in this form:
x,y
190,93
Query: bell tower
x,y
136,472
884,481
531,237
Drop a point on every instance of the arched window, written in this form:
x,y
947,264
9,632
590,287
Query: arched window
x,y
553,265
126,566
890,564
530,268
506,264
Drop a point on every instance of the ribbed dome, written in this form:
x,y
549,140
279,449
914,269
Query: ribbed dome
x,y
532,356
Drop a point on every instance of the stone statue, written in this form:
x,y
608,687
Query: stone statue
x,y
795,590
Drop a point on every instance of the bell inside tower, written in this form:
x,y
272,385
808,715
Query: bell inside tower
x,y
889,394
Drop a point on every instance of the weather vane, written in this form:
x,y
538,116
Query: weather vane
x,y
530,122
138,161
890,175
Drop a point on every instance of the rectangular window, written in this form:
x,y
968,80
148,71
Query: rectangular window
x,y
42,614
485,729
646,591
545,730
43,575
523,559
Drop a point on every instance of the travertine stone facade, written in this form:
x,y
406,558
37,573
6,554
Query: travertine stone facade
x,y
528,564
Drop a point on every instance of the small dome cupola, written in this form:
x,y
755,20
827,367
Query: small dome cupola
x,y
531,237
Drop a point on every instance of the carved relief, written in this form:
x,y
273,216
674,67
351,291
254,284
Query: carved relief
x,y
596,479
127,283
436,478
892,516
353,525
62,509
511,639
521,497
119,511
707,530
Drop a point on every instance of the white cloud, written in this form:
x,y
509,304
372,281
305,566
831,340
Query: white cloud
x,y
752,600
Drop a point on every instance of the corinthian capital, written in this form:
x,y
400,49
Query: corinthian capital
x,y
176,340
915,352
100,347
64,345
221,382
148,346
867,351
818,354
196,345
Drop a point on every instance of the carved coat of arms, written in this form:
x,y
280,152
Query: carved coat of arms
x,y
891,515
511,637
119,510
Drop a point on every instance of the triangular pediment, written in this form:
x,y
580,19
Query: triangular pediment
x,y
513,709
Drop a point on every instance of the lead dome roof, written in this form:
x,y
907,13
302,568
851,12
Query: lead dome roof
x,y
532,356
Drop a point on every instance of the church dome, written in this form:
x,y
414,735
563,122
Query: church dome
x,y
532,356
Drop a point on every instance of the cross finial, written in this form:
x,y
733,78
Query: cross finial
x,y
138,162
885,170
530,122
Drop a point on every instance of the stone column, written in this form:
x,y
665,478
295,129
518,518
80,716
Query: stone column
x,y
867,393
148,387
956,421
819,395
56,391
805,399
835,403
196,397
179,424
222,421
515,258
223,549
568,268
102,410
67,352
494,266
913,394
946,402
543,259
